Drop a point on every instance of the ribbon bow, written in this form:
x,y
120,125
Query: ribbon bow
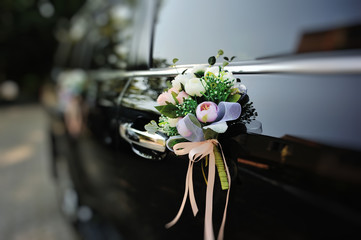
x,y
196,151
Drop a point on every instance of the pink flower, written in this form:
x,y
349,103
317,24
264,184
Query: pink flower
x,y
173,89
207,112
181,96
165,97
182,129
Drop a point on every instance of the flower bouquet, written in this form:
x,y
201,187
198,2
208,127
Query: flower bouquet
x,y
194,110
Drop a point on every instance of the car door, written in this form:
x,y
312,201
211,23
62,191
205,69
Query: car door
x,y
287,182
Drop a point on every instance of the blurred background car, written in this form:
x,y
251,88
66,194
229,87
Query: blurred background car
x,y
299,179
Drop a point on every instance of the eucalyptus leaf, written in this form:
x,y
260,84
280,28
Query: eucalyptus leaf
x,y
220,52
212,60
233,58
199,74
226,58
225,64
233,98
184,71
175,60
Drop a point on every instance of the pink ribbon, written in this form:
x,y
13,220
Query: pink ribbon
x,y
196,151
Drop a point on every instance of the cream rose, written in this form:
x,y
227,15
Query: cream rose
x,y
194,87
212,70
181,79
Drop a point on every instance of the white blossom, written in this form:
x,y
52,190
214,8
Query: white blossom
x,y
199,68
229,76
173,121
194,87
181,79
214,70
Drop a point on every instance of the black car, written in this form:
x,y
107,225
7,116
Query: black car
x,y
300,178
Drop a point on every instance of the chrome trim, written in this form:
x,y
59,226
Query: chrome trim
x,y
142,138
324,65
345,64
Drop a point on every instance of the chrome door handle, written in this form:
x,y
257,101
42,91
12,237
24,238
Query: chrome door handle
x,y
144,139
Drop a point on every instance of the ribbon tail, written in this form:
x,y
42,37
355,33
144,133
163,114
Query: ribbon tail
x,y
208,225
175,220
221,229
192,199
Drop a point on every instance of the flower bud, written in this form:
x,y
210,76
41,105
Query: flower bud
x,y
207,112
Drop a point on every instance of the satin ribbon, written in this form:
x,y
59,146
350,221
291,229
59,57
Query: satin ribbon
x,y
196,151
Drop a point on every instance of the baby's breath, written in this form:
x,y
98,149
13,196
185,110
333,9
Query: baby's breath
x,y
189,106
217,90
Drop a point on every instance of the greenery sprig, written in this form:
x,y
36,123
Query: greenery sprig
x,y
216,90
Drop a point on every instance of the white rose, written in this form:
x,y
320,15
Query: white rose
x,y
194,87
199,68
173,121
181,79
214,70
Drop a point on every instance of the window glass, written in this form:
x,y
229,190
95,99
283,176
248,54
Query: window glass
x,y
98,36
249,29
112,35
143,92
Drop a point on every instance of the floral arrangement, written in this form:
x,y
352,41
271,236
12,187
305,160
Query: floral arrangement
x,y
194,110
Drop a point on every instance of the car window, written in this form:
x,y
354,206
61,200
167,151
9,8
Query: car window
x,y
112,36
193,31
99,36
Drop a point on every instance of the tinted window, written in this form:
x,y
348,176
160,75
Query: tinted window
x,y
194,30
99,36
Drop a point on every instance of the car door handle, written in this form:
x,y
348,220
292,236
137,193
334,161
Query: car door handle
x,y
144,139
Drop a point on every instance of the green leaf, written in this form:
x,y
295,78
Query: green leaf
x,y
210,134
220,52
151,127
233,98
168,110
199,74
184,71
169,84
212,60
175,60
174,95
226,58
174,141
225,64
233,58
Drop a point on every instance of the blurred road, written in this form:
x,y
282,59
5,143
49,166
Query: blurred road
x,y
28,206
